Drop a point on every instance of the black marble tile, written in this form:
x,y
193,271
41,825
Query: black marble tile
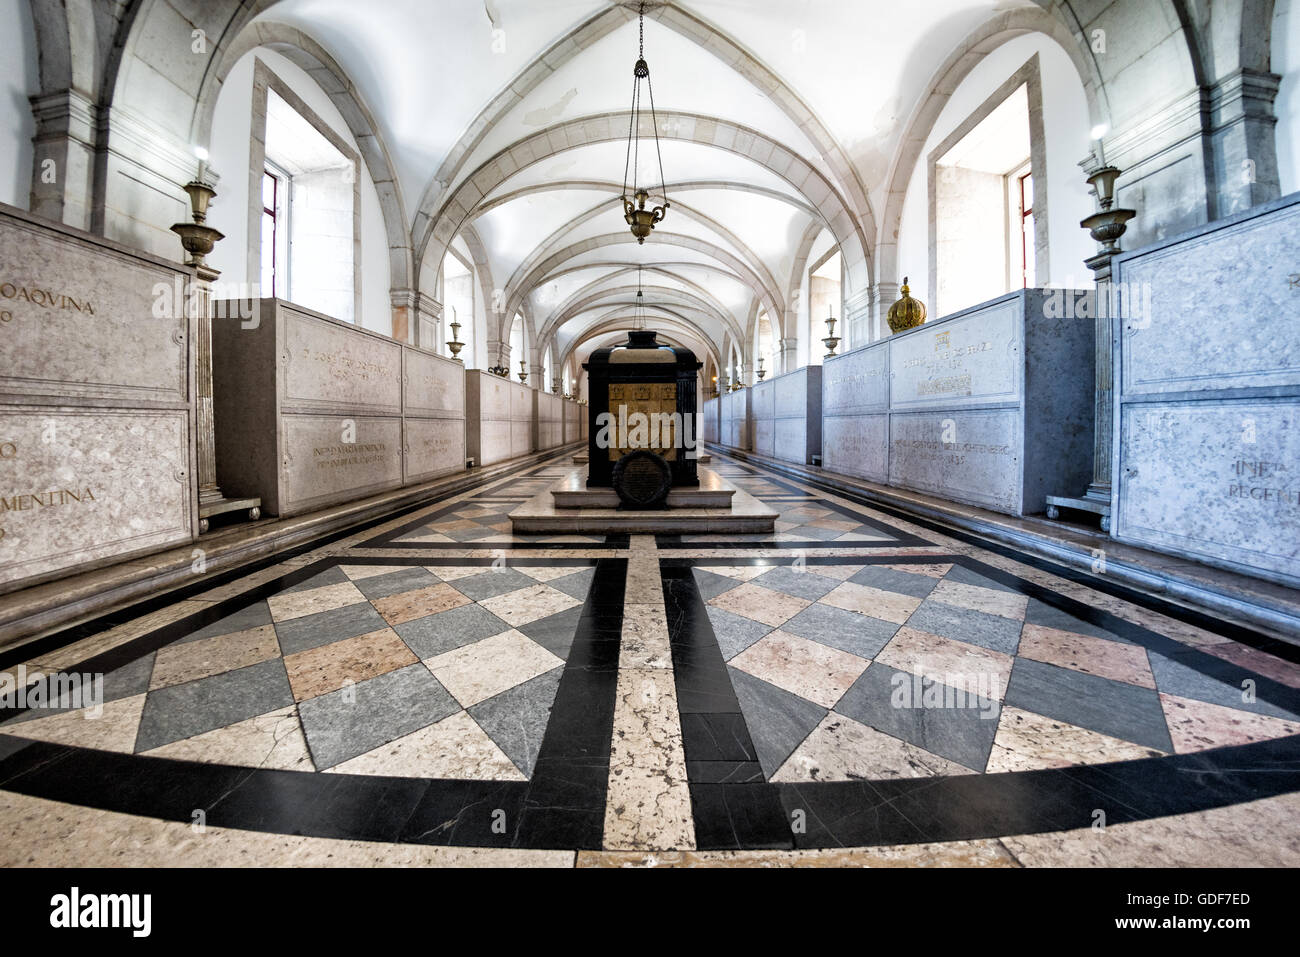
x,y
348,807
843,814
716,737
466,814
724,772
739,817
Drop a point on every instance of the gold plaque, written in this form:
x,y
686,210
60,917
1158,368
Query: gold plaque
x,y
645,417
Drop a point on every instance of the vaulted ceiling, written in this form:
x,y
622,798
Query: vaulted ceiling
x,y
506,122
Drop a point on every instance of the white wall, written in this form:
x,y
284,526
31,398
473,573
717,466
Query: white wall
x,y
231,126
1286,63
19,79
1067,128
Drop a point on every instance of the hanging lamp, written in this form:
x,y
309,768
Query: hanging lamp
x,y
637,195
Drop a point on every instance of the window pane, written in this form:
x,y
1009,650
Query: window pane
x,y
268,255
268,191
1027,192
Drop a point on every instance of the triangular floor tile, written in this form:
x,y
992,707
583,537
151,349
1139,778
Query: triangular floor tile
x,y
516,719
1199,726
114,730
778,721
841,749
455,748
271,740
1030,742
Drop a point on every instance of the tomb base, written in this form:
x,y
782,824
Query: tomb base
x,y
715,506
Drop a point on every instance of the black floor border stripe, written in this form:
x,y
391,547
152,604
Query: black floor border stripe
x,y
829,815
562,807
1286,650
65,636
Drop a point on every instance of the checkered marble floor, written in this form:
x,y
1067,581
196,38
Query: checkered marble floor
x,y
423,671
850,671
430,672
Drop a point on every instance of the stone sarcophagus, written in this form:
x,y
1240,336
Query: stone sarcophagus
x,y
991,406
96,402
787,416
311,411
499,425
709,428
1206,460
572,422
735,424
643,397
550,420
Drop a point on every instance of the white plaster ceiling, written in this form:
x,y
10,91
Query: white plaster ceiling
x,y
427,71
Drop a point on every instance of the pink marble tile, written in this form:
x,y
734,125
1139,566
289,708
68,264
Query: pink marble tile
x,y
1199,726
1093,656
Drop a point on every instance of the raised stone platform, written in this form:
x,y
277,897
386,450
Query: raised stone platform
x,y
582,459
716,506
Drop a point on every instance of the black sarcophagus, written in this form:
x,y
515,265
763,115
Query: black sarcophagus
x,y
642,437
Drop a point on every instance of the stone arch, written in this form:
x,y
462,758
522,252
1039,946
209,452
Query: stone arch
x,y
659,294
435,229
697,31
516,292
547,266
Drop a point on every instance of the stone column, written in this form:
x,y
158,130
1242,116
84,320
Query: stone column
x,y
205,424
788,353
63,158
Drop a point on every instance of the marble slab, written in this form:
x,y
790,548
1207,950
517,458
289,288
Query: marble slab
x,y
329,366
499,418
85,318
433,386
1217,479
974,359
86,485
1241,278
1207,404
857,446
434,447
763,402
972,457
320,468
992,406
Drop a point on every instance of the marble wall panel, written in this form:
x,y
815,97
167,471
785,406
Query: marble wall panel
x,y
328,366
86,485
973,456
1216,310
1214,479
320,468
83,318
975,358
856,382
433,386
857,445
434,447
